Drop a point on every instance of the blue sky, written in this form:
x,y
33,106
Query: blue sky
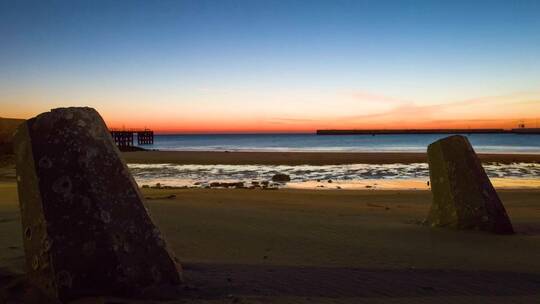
x,y
288,64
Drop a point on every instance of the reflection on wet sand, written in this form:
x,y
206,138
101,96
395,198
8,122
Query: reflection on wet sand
x,y
353,176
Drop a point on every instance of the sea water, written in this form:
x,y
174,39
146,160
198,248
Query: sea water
x,y
487,143
341,176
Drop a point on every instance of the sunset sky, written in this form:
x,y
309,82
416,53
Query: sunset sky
x,y
274,66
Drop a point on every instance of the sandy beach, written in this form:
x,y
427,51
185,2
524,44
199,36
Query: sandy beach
x,y
304,246
299,158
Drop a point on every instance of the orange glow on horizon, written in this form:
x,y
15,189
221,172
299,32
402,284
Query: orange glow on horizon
x,y
504,112
247,127
319,110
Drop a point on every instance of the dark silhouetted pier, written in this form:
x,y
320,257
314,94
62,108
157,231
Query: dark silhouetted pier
x,y
428,131
125,138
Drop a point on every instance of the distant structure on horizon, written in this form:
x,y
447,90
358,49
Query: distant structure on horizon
x,y
124,138
520,130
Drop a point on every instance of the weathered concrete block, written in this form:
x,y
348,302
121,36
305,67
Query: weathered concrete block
x,y
85,228
463,196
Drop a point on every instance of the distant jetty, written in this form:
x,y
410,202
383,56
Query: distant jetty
x,y
428,131
124,138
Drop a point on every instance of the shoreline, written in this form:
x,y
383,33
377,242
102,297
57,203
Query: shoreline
x,y
377,185
302,158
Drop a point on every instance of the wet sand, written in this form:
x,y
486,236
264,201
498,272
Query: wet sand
x,y
406,184
299,158
336,246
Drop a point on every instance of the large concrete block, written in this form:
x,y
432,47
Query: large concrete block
x,y
463,196
85,228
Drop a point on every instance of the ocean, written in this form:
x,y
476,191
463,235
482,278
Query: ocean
x,y
492,143
351,176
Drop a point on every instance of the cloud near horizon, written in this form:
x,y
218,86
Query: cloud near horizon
x,y
504,111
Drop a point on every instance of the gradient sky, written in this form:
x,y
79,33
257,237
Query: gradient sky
x,y
274,66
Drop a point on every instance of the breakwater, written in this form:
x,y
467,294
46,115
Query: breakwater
x,y
428,131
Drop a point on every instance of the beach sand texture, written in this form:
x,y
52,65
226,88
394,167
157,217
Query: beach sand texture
x,y
305,246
